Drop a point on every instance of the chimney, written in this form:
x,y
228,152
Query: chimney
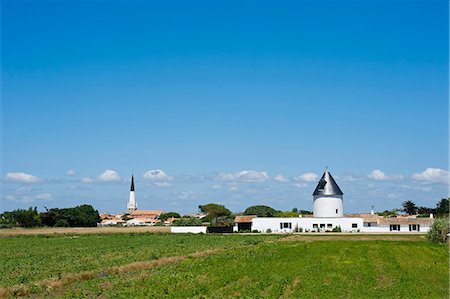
x,y
372,212
431,215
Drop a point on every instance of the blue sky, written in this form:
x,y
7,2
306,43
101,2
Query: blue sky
x,y
235,102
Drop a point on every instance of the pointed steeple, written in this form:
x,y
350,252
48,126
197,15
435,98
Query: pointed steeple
x,y
132,183
327,185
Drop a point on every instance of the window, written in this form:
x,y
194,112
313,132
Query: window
x,y
337,211
285,225
394,227
322,225
368,224
414,227
354,225
329,225
315,225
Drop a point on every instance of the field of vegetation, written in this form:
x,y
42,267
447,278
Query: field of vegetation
x,y
222,266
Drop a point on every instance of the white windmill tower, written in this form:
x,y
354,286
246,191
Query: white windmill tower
x,y
328,198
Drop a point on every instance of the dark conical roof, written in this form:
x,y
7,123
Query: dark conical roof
x,y
132,183
327,186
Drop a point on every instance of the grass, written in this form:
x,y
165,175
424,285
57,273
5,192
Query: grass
x,y
27,259
180,266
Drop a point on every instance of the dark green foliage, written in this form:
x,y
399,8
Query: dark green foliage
x,y
439,230
126,217
222,221
261,211
425,212
187,222
286,214
79,216
409,207
305,212
391,213
442,207
337,229
165,216
213,210
22,218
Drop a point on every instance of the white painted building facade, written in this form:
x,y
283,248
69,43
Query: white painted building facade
x,y
303,224
328,214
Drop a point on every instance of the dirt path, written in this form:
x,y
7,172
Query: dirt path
x,y
11,232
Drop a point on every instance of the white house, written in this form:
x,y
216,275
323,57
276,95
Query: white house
x,y
328,206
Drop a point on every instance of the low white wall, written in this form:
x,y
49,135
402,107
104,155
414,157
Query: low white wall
x,y
188,229
386,228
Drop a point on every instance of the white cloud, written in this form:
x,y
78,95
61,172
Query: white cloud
x,y
21,177
28,196
87,180
162,184
282,179
44,196
156,175
216,187
109,176
246,176
186,195
349,178
300,185
71,172
378,175
432,175
308,177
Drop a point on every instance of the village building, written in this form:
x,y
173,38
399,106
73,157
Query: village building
x,y
328,215
135,217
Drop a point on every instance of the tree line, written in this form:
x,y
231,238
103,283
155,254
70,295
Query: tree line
x,y
79,216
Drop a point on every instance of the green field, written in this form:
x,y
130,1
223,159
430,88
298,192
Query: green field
x,y
215,266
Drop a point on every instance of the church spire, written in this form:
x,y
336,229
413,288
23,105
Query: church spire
x,y
132,205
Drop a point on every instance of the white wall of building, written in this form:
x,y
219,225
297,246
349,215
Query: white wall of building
x,y
263,224
328,206
188,229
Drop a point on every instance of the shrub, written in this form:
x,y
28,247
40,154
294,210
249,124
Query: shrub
x,y
187,222
62,223
286,214
439,230
337,229
261,211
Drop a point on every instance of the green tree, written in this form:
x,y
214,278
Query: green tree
x,y
305,212
439,230
286,214
165,216
442,206
192,221
261,211
222,221
409,207
79,216
213,210
22,218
